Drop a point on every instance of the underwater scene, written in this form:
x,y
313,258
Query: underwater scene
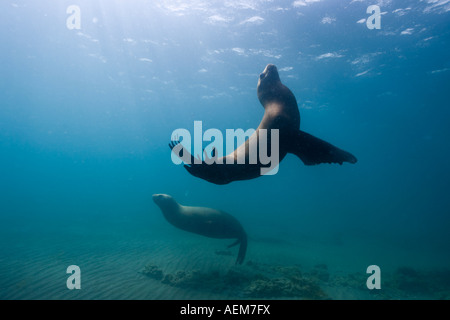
x,y
213,150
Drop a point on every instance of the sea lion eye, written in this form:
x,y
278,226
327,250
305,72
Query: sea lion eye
x,y
261,76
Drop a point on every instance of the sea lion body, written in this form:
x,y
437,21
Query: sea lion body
x,y
280,112
204,221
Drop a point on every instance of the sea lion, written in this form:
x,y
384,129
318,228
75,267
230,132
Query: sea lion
x,y
204,221
280,112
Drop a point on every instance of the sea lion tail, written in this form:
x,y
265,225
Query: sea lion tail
x,y
242,249
312,150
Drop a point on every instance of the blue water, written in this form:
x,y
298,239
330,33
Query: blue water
x,y
86,116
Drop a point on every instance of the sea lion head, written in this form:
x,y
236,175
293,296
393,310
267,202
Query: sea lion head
x,y
268,84
165,202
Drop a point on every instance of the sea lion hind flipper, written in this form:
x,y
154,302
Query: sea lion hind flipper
x,y
242,250
234,243
312,150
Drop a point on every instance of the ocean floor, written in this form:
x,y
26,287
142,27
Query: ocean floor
x,y
142,259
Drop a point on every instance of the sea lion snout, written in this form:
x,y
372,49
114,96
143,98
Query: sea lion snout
x,y
268,83
268,70
269,76
160,198
156,197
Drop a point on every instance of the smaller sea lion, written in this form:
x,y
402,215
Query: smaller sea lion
x,y
204,221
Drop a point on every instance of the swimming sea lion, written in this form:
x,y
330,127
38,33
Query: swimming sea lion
x,y
280,112
204,221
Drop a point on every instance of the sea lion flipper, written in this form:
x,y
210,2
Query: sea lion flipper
x,y
183,153
312,150
209,172
242,250
234,243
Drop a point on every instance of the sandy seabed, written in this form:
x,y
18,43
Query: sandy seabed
x,y
130,260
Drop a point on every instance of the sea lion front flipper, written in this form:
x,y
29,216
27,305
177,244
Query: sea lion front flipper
x,y
214,173
207,170
181,152
312,150
190,161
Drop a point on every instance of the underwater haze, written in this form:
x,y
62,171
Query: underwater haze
x,y
91,92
